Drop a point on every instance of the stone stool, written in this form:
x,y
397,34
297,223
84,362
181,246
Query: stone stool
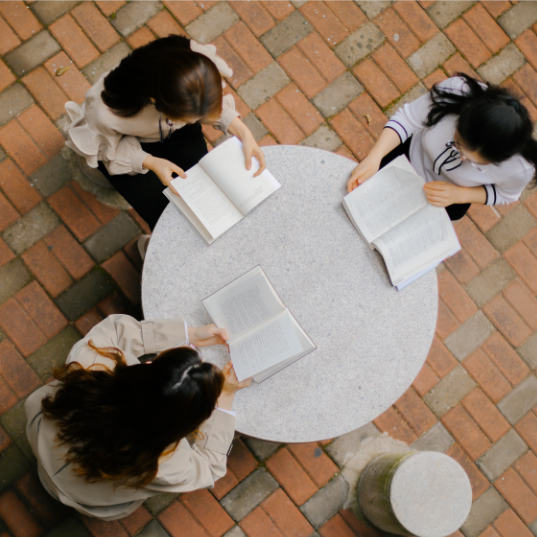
x,y
422,494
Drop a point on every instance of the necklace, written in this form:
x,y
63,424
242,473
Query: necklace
x,y
169,122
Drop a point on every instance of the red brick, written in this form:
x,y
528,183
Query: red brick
x,y
8,39
42,130
114,303
506,320
467,42
258,524
486,28
287,517
367,111
72,82
302,72
456,64
279,9
475,243
325,22
88,321
18,374
313,459
434,78
531,204
505,358
526,466
286,470
110,6
362,528
21,147
527,43
320,55
462,266
6,77
524,263
486,415
455,297
8,215
425,381
178,521
299,108
208,511
208,5
248,47
164,24
483,216
395,68
489,532
478,481
68,252
348,13
47,269
73,41
508,524
241,461
391,26
47,510
351,131
415,412
125,275
74,213
7,397
225,484
446,322
530,240
393,424
185,12
496,7
241,71
487,375
240,105
527,428
344,151
20,18
440,359
521,299
518,495
46,92
101,528
255,16
17,188
104,213
417,19
526,78
6,255
466,432
376,83
267,140
136,520
530,107
17,518
41,309
279,122
5,441
141,37
336,527
100,31
211,133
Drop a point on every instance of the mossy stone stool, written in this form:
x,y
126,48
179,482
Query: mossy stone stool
x,y
422,494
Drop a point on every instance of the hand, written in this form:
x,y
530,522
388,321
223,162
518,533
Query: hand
x,y
442,194
232,384
208,335
163,169
368,167
251,148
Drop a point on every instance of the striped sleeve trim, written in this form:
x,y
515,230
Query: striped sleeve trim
x,y
399,129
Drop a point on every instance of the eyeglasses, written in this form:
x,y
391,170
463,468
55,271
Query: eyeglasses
x,y
458,147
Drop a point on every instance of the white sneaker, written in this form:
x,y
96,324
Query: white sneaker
x,y
143,242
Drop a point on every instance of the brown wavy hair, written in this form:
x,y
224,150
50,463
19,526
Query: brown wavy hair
x,y
119,422
183,84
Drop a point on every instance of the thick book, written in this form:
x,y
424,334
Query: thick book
x,y
392,214
219,191
264,336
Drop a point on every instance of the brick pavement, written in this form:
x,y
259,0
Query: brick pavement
x,y
325,74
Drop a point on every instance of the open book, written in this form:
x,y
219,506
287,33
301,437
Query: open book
x,y
219,191
392,214
264,337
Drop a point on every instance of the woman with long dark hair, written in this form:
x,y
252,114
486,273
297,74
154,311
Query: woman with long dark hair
x,y
140,123
110,432
471,142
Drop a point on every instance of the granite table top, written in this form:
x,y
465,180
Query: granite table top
x,y
372,340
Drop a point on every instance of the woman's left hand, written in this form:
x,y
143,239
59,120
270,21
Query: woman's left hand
x,y
205,336
441,193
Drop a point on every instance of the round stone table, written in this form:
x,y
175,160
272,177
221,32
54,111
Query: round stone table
x,y
372,340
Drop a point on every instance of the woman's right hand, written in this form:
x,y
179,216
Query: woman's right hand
x,y
163,169
368,167
231,387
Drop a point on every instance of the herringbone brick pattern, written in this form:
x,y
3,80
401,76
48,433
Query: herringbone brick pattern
x,y
325,74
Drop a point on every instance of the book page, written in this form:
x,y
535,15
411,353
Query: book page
x,y
265,347
207,201
419,241
385,200
243,305
226,165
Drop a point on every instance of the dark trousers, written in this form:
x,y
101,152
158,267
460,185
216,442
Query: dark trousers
x,y
455,212
143,192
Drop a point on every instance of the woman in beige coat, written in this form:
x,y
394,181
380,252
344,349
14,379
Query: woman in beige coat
x,y
110,432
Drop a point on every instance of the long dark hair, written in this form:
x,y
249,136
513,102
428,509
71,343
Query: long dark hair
x,y
117,423
491,120
184,84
